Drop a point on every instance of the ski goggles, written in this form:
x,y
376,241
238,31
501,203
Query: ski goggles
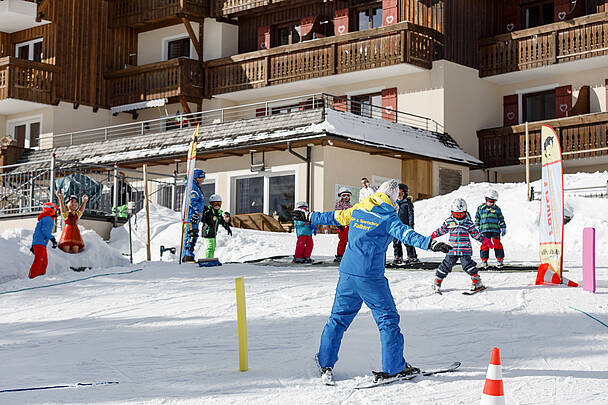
x,y
489,200
216,204
459,215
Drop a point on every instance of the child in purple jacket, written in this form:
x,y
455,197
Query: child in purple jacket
x,y
460,226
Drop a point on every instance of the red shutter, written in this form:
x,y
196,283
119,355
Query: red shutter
x,y
341,21
306,26
389,12
340,103
561,9
260,112
263,37
509,16
389,104
563,101
510,110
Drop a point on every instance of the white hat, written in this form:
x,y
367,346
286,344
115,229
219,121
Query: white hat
x,y
391,189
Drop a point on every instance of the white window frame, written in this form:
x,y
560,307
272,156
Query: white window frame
x,y
11,124
166,40
266,176
30,44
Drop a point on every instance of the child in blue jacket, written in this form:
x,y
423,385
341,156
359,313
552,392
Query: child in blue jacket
x,y
460,226
42,235
195,213
304,230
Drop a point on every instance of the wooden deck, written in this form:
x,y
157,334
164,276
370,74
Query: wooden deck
x,y
233,8
399,43
136,13
581,136
560,42
181,77
27,80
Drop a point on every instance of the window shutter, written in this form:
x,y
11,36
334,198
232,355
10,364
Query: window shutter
x,y
340,103
563,101
510,109
389,104
306,25
509,16
389,12
561,9
341,21
264,37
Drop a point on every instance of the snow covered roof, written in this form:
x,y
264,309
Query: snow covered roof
x,y
315,123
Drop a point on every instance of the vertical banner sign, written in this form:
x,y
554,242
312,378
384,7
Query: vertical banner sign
x,y
552,202
190,164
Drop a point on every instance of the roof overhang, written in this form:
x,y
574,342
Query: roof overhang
x,y
159,102
18,15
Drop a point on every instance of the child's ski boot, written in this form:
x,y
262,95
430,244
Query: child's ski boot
x,y
409,370
437,285
476,283
484,264
499,264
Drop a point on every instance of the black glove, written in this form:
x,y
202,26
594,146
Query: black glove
x,y
195,218
229,231
299,215
54,243
32,250
436,246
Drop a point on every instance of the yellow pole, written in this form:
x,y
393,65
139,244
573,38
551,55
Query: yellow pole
x,y
242,323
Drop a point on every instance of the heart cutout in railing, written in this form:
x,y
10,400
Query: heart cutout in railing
x,y
561,15
563,107
510,27
510,115
388,109
389,19
341,29
263,45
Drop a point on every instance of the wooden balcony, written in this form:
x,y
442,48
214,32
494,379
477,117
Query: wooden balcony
x,y
155,13
27,80
581,136
173,79
399,43
233,8
560,42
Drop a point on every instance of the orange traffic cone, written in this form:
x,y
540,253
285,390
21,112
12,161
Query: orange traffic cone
x,y
493,393
547,276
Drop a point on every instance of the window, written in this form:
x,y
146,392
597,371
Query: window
x,y
449,180
287,34
178,48
26,130
249,195
538,13
30,50
369,17
362,104
282,191
539,106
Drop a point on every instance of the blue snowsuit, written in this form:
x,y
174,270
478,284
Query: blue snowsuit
x,y
197,206
44,231
405,211
373,225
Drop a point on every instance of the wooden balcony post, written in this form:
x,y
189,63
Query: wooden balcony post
x,y
266,68
554,47
403,47
332,59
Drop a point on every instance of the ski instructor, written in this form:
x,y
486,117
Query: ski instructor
x,y
373,225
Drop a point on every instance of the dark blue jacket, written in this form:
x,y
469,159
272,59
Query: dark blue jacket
x,y
197,201
44,231
406,211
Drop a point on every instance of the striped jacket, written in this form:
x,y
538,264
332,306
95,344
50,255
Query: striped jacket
x,y
459,235
489,219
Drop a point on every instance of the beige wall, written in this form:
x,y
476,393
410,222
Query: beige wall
x,y
221,40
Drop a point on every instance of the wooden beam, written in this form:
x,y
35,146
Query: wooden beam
x,y
185,106
197,44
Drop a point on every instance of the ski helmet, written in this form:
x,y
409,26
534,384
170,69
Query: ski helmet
x,y
344,190
391,189
459,205
215,198
302,204
491,194
199,174
404,188
50,209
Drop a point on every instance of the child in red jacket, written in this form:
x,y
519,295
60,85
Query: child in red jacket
x,y
42,235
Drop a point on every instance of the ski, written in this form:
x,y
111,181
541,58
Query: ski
x,y
50,387
82,268
451,368
474,292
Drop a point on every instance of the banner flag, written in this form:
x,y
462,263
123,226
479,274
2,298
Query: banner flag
x,y
190,166
552,202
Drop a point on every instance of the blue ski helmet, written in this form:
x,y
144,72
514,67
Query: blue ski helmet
x,y
199,174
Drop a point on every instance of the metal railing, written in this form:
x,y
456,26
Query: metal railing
x,y
247,111
585,192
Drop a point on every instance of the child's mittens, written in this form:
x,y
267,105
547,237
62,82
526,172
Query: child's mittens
x,y
503,231
314,229
488,243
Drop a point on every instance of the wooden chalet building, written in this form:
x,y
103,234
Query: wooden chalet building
x,y
317,93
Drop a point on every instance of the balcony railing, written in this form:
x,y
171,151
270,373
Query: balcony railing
x,y
27,80
138,12
580,137
181,77
386,46
579,38
231,7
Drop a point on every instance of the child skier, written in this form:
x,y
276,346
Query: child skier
x,y
70,240
212,219
42,235
343,203
490,221
460,226
405,211
195,210
304,231
373,225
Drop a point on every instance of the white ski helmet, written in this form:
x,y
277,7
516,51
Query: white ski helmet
x,y
459,205
391,189
492,194
344,190
215,198
302,204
